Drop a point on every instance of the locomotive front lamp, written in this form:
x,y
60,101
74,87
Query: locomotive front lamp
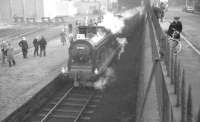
x,y
63,70
96,71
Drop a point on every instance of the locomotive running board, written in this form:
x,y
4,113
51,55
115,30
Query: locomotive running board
x,y
81,68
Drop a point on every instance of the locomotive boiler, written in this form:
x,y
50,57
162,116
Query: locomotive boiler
x,y
90,54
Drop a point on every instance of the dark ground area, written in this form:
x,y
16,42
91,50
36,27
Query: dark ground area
x,y
119,102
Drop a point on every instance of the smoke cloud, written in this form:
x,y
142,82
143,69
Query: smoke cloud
x,y
113,23
116,24
72,10
103,81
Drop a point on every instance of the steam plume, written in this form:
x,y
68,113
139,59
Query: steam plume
x,y
116,24
72,10
105,80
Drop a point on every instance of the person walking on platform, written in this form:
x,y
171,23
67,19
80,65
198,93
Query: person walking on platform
x,y
36,46
162,11
24,46
43,44
63,37
10,55
176,25
4,47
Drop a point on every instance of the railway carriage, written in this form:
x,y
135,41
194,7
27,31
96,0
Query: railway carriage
x,y
90,54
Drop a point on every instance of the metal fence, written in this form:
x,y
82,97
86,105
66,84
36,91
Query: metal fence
x,y
166,61
163,57
158,42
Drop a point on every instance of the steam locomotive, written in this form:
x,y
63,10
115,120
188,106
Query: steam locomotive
x,y
90,54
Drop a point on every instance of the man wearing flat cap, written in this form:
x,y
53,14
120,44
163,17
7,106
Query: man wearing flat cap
x,y
176,25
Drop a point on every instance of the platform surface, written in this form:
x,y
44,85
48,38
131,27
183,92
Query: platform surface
x,y
19,83
190,60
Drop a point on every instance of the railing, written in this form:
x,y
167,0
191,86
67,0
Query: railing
x,y
168,75
163,58
164,104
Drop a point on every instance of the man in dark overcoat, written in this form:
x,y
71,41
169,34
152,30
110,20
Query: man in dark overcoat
x,y
36,46
24,46
43,44
176,25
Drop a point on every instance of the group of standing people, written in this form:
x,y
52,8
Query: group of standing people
x,y
38,43
7,49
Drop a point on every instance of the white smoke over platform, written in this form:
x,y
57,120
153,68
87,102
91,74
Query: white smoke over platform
x,y
113,23
53,8
116,24
132,12
72,10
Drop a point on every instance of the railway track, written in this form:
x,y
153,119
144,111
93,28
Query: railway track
x,y
74,105
17,34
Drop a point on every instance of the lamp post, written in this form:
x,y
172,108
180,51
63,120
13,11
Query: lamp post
x,y
10,6
186,4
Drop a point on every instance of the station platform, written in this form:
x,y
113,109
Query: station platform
x,y
190,53
19,83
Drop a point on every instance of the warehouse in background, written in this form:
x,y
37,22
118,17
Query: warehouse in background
x,y
50,8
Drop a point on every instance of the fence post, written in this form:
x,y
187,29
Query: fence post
x,y
172,66
175,74
168,57
189,105
183,106
198,115
178,85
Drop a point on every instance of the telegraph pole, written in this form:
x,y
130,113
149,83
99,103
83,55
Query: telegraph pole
x,y
23,8
186,4
10,6
35,12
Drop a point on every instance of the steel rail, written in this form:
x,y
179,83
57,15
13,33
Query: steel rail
x,y
81,111
56,105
